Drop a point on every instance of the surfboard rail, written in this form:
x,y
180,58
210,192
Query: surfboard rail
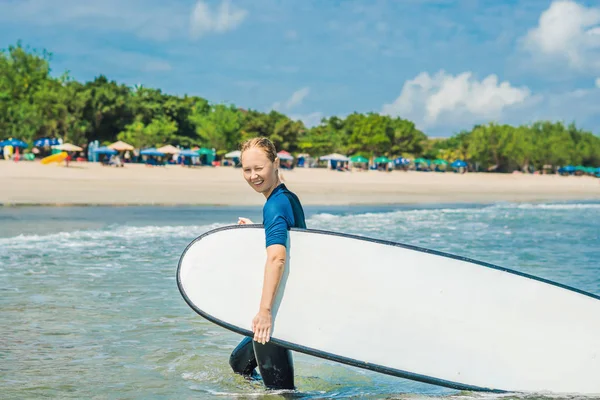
x,y
355,362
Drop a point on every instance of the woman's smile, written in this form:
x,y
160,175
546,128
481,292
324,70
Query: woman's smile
x,y
258,182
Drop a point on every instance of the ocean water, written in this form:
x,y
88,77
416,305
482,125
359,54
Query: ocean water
x,y
89,305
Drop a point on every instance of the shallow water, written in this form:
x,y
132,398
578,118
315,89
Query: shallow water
x,y
90,307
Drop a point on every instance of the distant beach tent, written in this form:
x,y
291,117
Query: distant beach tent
x,y
439,161
169,149
284,155
302,159
120,146
401,161
381,160
566,169
205,151
189,153
233,154
334,157
152,152
46,142
359,159
422,161
67,147
459,164
105,150
14,143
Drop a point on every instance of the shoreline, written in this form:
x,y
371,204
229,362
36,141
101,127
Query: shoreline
x,y
30,184
312,205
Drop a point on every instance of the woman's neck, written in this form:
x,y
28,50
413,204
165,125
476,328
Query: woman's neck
x,y
277,183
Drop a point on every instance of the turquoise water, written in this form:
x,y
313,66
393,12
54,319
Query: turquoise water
x,y
90,307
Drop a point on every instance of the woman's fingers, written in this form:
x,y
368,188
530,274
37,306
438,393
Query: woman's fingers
x,y
262,334
242,221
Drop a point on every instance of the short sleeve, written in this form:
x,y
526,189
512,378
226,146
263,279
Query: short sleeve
x,y
278,218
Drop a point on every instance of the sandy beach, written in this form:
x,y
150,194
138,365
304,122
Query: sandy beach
x,y
30,183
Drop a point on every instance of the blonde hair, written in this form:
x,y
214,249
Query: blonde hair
x,y
262,143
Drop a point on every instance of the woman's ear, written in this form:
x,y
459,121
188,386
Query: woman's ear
x,y
276,162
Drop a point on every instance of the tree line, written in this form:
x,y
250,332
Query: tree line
x,y
35,104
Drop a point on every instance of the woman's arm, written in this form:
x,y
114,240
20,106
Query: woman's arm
x,y
274,267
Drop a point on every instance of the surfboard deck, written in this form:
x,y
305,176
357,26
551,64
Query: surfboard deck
x,y
402,310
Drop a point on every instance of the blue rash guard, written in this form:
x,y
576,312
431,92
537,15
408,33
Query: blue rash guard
x,y
281,212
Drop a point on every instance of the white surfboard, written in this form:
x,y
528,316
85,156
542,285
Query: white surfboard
x,y
402,310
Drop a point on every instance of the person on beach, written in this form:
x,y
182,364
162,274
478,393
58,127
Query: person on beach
x,y
281,211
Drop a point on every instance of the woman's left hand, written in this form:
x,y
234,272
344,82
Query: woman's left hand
x,y
261,326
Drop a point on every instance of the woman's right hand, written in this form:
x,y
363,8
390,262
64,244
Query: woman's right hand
x,y
244,221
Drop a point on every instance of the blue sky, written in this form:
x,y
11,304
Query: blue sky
x,y
444,64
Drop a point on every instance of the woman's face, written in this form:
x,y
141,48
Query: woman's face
x,y
259,171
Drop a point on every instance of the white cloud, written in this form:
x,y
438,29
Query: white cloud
x,y
310,120
569,31
226,18
291,34
157,66
295,99
156,21
447,99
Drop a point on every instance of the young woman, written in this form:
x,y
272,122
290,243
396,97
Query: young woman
x,y
281,211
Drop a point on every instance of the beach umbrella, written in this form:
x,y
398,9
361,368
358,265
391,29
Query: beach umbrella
x,y
284,155
459,164
439,161
381,160
204,151
189,153
67,147
334,157
401,161
14,143
422,161
169,149
105,150
151,151
44,142
233,154
359,159
120,146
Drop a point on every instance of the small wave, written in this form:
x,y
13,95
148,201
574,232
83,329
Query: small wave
x,y
325,217
591,206
85,238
